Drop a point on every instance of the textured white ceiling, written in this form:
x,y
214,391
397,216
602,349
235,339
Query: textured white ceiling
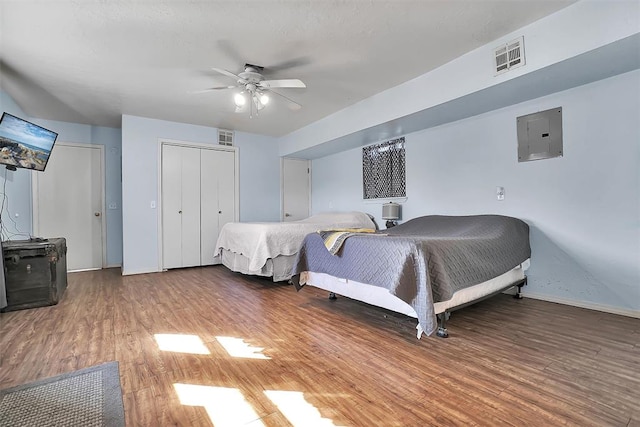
x,y
89,62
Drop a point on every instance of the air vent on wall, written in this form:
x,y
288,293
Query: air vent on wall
x,y
225,137
509,55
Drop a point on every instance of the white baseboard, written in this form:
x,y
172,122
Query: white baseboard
x,y
132,272
582,304
80,270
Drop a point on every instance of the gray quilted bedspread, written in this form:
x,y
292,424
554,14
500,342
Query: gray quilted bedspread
x,y
424,260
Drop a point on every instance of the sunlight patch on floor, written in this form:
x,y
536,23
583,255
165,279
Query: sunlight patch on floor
x,y
181,343
236,347
297,410
226,407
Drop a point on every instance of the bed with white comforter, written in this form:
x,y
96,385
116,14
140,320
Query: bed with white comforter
x,y
269,248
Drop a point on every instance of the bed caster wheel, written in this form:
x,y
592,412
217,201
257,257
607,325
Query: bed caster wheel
x,y
518,294
442,333
332,296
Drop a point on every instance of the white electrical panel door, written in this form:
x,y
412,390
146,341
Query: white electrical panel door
x,y
190,207
540,135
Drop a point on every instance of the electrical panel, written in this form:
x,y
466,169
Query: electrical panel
x,y
540,135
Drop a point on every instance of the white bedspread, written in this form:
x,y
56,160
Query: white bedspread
x,y
260,241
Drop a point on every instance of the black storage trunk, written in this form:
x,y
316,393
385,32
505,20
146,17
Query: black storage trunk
x,y
35,272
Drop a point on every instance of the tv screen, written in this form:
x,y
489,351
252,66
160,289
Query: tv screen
x,y
24,144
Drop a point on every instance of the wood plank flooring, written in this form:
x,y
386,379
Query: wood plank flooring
x,y
508,362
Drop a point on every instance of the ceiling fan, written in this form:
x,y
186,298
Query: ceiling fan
x,y
254,89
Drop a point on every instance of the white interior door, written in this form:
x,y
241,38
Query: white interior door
x,y
296,194
68,202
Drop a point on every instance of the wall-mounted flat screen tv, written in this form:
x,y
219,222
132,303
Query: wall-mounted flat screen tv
x,y
24,144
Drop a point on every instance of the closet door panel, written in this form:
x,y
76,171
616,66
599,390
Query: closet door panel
x,y
171,206
226,187
190,206
209,205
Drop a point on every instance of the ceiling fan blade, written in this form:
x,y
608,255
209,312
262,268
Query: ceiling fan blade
x,y
284,83
293,105
292,63
227,73
211,89
228,48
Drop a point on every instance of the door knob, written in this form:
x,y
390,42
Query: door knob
x,y
96,213
287,214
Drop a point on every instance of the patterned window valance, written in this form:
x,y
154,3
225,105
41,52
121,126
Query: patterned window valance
x,y
383,170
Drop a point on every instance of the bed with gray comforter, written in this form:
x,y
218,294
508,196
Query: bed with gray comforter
x,y
424,260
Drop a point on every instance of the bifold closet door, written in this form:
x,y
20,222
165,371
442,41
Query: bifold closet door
x,y
180,206
190,207
226,187
217,198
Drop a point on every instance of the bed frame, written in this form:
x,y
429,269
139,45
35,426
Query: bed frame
x,y
381,297
278,268
444,316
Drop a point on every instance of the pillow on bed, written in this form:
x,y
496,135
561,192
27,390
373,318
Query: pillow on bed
x,y
342,219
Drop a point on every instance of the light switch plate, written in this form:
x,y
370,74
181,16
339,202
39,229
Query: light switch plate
x,y
500,193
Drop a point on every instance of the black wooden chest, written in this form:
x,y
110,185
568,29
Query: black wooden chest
x,y
35,272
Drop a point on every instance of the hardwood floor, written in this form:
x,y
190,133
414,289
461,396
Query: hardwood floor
x,y
507,362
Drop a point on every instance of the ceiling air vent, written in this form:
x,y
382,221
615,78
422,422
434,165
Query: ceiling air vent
x,y
509,55
225,137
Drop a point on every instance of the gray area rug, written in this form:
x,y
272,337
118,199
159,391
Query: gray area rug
x,y
88,397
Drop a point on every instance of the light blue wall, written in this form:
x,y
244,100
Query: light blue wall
x,y
259,177
259,182
582,27
19,182
16,216
583,208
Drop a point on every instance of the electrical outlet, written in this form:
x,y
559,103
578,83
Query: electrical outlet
x,y
153,204
500,193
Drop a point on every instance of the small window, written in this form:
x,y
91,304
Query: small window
x,y
383,170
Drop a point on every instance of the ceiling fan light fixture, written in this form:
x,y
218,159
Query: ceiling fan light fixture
x,y
239,100
257,102
252,87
